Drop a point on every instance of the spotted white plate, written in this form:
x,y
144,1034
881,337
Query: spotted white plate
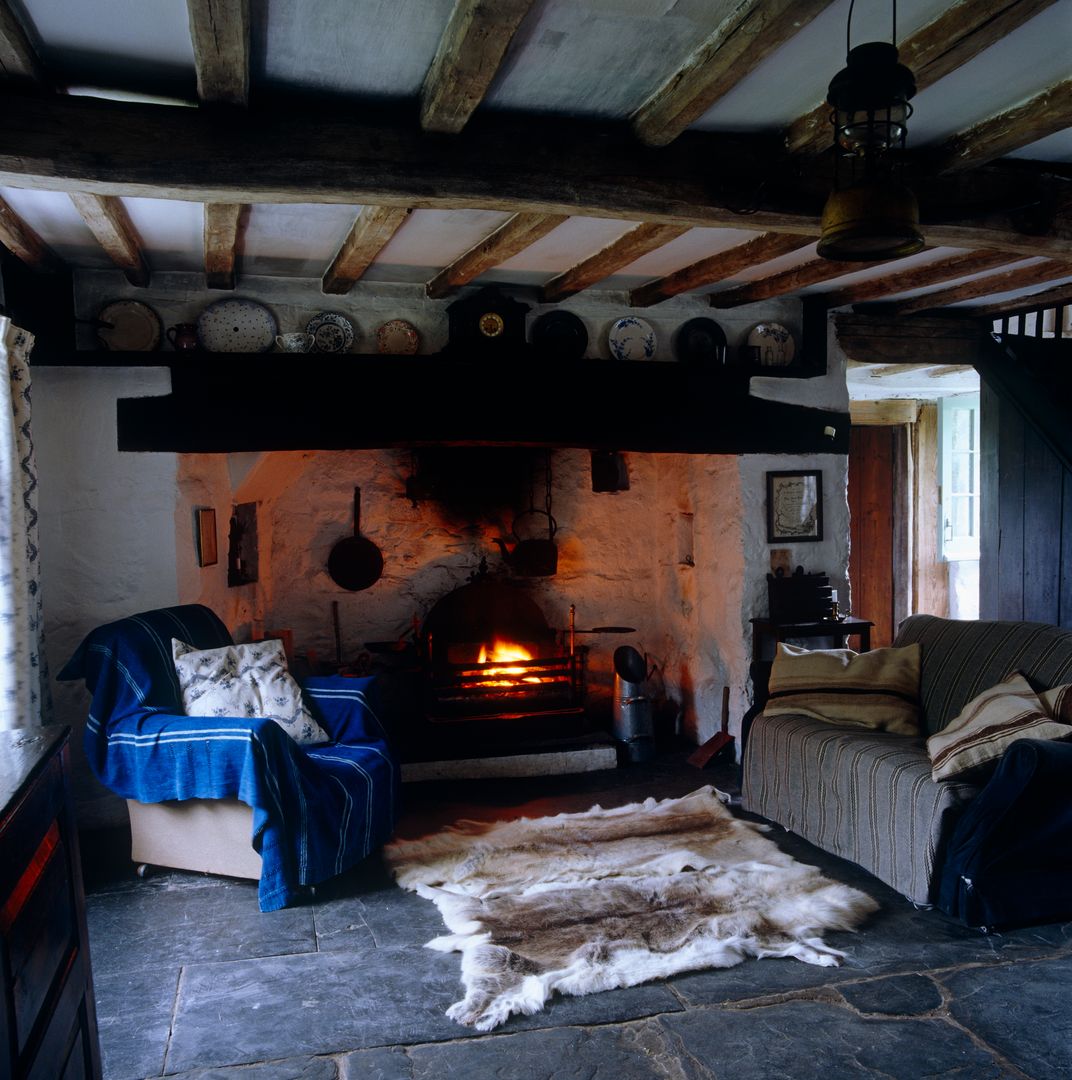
x,y
236,326
398,338
631,339
331,332
775,345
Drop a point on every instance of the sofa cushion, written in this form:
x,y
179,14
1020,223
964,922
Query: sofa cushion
x,y
962,659
972,744
878,689
246,681
864,795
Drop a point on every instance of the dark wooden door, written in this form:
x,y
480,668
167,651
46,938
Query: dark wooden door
x,y
875,526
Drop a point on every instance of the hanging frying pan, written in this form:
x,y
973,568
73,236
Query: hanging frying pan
x,y
355,562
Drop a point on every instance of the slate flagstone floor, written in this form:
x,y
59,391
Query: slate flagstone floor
x,y
193,982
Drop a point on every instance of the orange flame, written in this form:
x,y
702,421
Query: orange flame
x,y
506,652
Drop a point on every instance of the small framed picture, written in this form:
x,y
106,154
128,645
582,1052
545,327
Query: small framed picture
x,y
794,506
206,538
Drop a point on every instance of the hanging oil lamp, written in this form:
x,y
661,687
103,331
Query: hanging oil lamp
x,y
870,215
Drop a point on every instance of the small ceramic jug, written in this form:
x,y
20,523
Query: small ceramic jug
x,y
296,342
183,336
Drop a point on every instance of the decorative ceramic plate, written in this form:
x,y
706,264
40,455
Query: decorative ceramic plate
x,y
331,332
398,338
701,341
631,339
560,335
775,344
131,327
236,326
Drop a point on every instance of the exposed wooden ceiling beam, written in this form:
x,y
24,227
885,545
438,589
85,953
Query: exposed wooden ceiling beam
x,y
224,226
156,151
924,341
918,277
1058,296
885,412
375,225
109,222
750,33
219,30
18,57
956,36
513,235
797,277
1006,131
24,243
469,54
718,267
638,241
989,284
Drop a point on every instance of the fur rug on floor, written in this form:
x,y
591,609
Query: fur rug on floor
x,y
610,898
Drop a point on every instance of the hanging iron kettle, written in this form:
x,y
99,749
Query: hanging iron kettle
x,y
534,557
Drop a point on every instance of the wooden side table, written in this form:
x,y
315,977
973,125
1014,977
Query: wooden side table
x,y
766,631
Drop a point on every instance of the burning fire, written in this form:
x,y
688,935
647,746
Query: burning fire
x,y
506,652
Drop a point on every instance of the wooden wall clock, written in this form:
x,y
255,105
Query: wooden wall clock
x,y
487,323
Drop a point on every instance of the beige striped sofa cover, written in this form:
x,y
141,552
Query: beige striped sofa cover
x,y
868,796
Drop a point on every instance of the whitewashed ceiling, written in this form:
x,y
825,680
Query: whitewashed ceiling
x,y
585,60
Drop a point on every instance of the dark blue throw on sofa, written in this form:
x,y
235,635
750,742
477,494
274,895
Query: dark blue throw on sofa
x,y
317,810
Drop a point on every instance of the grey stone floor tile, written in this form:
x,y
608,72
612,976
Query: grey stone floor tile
x,y
811,1040
600,1053
322,1003
898,995
160,927
1022,1010
378,1064
134,1019
389,915
307,1068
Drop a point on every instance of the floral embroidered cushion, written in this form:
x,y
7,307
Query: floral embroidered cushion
x,y
245,680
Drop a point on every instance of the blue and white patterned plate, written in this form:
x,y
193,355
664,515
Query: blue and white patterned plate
x,y
631,339
332,332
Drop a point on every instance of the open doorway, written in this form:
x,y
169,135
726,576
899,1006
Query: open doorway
x,y
914,493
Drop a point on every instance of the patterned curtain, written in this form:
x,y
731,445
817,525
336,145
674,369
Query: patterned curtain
x,y
25,697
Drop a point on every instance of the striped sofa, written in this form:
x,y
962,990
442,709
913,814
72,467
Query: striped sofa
x,y
868,796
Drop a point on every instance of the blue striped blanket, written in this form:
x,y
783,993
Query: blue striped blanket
x,y
317,810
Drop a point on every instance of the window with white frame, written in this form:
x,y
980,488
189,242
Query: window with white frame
x,y
959,470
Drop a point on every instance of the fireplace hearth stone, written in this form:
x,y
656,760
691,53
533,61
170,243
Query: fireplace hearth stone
x,y
549,757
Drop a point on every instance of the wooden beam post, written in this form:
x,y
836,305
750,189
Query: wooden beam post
x,y
878,339
225,225
374,226
797,277
24,243
988,285
219,30
18,57
638,241
1044,114
918,277
469,54
513,235
748,35
109,222
718,267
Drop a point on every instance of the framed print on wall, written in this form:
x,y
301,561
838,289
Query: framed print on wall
x,y
794,506
206,538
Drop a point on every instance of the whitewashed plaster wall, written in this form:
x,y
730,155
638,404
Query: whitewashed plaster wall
x,y
682,555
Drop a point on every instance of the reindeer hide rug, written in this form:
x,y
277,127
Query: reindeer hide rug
x,y
610,898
